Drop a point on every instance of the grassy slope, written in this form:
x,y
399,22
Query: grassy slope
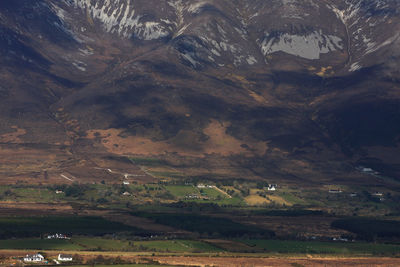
x,y
40,244
190,246
87,243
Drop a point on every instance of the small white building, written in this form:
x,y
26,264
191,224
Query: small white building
x,y
126,194
201,186
272,187
59,192
34,258
125,183
64,257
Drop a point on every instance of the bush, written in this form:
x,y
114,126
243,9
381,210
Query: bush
x,y
75,190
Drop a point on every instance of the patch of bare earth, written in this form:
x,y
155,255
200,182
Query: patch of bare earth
x,y
13,137
219,142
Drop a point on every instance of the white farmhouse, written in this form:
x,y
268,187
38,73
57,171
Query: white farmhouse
x,y
34,258
64,257
272,187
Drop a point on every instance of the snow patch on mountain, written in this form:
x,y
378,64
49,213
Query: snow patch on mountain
x,y
79,65
309,46
197,7
119,16
364,20
355,66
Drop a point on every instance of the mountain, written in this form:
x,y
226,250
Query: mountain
x,y
299,91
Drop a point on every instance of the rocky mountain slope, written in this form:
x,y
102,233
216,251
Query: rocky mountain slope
x,y
281,90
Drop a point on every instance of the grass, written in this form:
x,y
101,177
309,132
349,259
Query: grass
x,y
279,200
253,200
213,193
35,243
166,174
192,246
148,161
180,191
178,246
301,247
222,202
28,194
291,198
234,201
88,243
102,244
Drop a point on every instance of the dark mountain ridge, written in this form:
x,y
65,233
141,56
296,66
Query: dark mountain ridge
x,y
292,90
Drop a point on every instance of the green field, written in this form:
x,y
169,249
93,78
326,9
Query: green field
x,y
339,248
28,194
193,246
167,174
35,243
290,197
88,243
102,244
148,161
181,191
178,246
156,246
213,193
206,195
